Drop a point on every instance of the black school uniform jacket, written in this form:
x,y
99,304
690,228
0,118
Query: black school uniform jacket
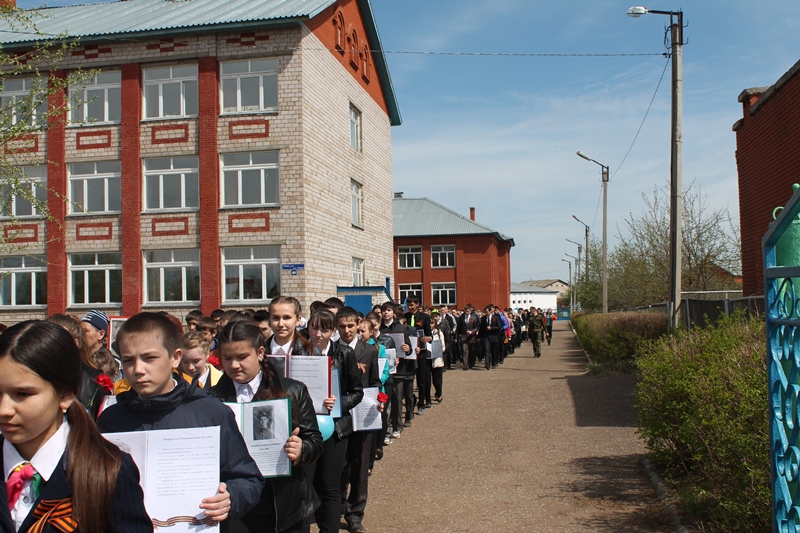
x,y
405,367
127,504
191,407
367,361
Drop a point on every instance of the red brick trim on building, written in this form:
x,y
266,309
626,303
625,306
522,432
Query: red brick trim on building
x,y
207,122
83,231
244,223
234,124
12,146
130,222
169,226
166,45
57,182
155,131
247,39
89,140
20,233
91,51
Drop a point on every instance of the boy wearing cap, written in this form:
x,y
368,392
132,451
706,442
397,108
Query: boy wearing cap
x,y
95,326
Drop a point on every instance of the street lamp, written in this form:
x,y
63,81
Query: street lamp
x,y
676,158
577,269
574,292
586,249
571,307
605,226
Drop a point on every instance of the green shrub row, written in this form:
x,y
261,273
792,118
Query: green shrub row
x,y
612,339
702,409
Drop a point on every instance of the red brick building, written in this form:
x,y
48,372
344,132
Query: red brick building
x,y
768,159
448,259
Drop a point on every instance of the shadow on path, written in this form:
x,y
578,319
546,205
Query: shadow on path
x,y
603,401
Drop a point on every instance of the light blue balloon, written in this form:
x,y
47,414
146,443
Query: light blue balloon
x,y
326,427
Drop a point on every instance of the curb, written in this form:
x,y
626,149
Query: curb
x,y
661,492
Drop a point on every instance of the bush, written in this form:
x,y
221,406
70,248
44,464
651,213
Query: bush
x,y
612,339
703,414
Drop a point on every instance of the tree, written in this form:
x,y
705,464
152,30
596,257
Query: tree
x,y
32,97
639,271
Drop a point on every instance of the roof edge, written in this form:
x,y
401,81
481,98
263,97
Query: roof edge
x,y
379,57
777,86
497,234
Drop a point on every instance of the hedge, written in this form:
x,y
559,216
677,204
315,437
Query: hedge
x,y
612,339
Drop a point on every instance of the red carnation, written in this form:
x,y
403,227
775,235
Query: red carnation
x,y
214,361
382,397
105,382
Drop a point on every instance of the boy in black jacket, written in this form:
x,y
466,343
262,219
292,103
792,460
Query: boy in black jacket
x,y
149,346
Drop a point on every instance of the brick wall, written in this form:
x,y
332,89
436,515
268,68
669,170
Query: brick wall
x,y
768,160
57,184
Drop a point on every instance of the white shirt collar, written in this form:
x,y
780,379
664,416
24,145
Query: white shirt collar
x,y
202,379
45,460
246,391
351,344
286,349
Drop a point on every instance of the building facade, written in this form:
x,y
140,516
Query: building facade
x,y
526,296
768,161
448,259
225,153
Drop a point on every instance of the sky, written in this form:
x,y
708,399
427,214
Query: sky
x,y
500,132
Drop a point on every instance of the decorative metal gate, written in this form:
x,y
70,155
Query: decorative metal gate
x,y
782,291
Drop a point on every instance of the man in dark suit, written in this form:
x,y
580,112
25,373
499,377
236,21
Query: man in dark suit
x,y
467,329
491,327
422,323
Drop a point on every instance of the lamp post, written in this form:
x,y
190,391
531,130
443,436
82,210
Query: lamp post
x,y
676,156
586,248
577,270
574,292
571,307
605,226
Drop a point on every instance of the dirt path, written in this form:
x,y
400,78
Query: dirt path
x,y
534,446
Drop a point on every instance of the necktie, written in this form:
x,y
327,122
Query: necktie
x,y
412,321
16,481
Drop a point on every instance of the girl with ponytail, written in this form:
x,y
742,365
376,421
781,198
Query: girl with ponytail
x,y
60,473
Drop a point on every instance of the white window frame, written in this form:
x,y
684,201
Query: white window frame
x,y
358,271
447,289
12,277
356,204
355,128
28,176
255,69
189,176
109,178
81,102
184,265
266,170
267,264
406,252
443,251
84,270
186,82
405,290
21,92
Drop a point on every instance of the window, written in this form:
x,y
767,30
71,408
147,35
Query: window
x,y
171,183
443,293
23,281
252,273
443,256
95,187
409,290
410,257
358,272
172,275
249,86
99,101
24,192
355,129
96,278
170,91
24,101
250,178
355,203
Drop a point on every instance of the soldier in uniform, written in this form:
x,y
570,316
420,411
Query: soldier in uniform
x,y
536,328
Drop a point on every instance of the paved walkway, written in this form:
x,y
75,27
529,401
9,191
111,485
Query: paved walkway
x,y
534,446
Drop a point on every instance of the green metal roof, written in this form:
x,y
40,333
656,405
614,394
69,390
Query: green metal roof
x,y
146,19
422,217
